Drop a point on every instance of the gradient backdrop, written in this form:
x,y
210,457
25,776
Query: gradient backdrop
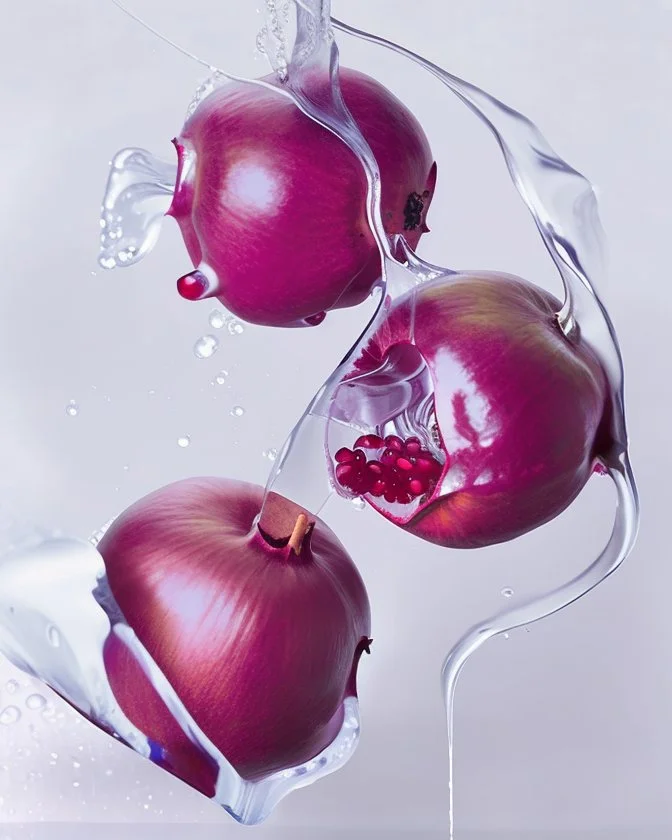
x,y
565,726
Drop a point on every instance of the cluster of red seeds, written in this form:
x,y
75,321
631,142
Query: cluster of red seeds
x,y
403,472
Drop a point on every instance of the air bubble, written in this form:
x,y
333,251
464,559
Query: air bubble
x,y
217,319
10,715
183,441
271,454
35,701
206,346
220,379
507,592
72,409
235,327
11,686
359,503
237,411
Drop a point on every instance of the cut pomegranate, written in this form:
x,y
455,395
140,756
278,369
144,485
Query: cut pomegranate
x,y
403,471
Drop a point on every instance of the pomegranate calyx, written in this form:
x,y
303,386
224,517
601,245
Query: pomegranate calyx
x,y
413,210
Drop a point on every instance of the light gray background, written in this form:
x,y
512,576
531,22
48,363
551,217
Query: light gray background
x,y
567,726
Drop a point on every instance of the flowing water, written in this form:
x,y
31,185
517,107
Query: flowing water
x,y
60,639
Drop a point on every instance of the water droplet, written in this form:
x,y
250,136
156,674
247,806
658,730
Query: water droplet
x,y
35,701
53,636
359,503
10,715
76,765
205,347
220,379
507,592
506,635
184,441
217,319
237,411
72,409
75,784
11,686
271,454
235,327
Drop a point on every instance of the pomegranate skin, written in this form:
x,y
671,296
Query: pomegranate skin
x,y
260,644
521,410
275,205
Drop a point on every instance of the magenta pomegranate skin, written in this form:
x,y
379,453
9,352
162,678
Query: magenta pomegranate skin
x,y
272,206
521,412
261,643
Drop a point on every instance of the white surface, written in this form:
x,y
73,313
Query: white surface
x,y
566,726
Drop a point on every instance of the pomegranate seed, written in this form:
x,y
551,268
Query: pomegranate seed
x,y
192,286
389,457
359,456
369,442
413,446
404,471
345,473
416,487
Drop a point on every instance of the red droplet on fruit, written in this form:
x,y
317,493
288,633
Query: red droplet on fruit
x,y
315,320
404,464
192,286
394,442
359,456
344,456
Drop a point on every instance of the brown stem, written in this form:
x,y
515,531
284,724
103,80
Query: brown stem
x,y
301,528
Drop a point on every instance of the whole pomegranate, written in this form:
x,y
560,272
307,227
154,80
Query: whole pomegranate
x,y
272,206
259,636
507,413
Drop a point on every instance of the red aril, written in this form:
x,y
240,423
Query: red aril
x,y
260,635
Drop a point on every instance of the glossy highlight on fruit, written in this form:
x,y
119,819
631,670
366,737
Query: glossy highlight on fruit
x,y
509,424
259,634
272,206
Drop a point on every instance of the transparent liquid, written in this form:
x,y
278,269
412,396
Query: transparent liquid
x,y
60,639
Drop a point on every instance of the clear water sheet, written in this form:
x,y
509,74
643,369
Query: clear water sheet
x,y
299,41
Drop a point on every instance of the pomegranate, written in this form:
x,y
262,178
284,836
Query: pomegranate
x,y
504,415
260,185
259,635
